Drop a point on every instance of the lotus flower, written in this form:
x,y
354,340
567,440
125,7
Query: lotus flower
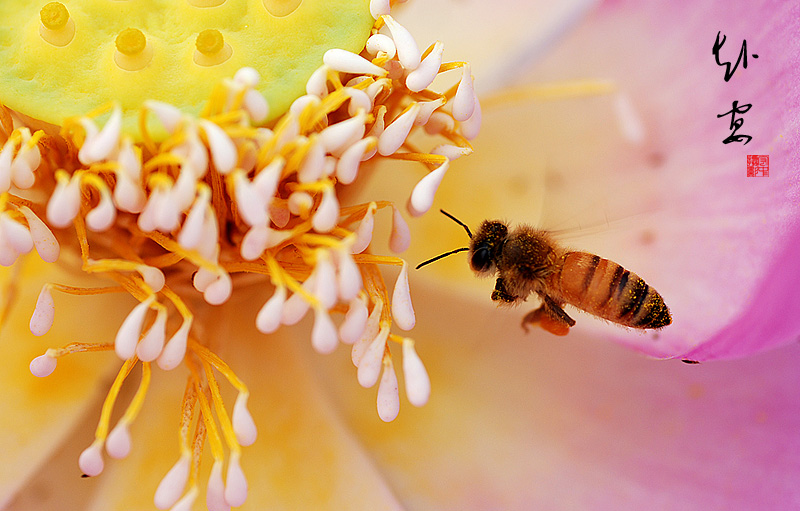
x,y
514,421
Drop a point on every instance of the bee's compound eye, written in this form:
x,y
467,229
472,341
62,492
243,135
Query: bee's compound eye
x,y
481,259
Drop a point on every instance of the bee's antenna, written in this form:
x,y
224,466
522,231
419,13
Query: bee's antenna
x,y
429,261
456,220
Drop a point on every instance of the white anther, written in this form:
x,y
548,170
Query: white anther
x,y
300,203
118,443
98,146
254,242
369,367
256,105
16,235
359,100
426,110
355,321
192,231
348,62
243,424
379,7
175,349
325,277
6,157
407,50
130,162
43,313
235,482
23,165
168,115
171,486
128,334
317,84
223,150
388,393
65,202
364,231
296,306
377,87
267,179
91,459
43,239
324,338
400,239
342,134
247,76
186,502
348,277
209,242
451,152
313,163
43,365
192,151
149,348
8,255
219,290
102,217
215,489
327,214
424,192
472,126
347,165
203,278
402,310
184,190
396,133
329,166
269,317
417,382
152,276
440,122
248,201
464,99
370,332
128,194
424,75
300,104
381,43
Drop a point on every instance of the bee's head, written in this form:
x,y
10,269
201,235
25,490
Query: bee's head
x,y
485,246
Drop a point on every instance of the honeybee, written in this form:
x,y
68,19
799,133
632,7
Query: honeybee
x,y
528,260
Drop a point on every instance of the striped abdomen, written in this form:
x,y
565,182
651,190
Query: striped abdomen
x,y
606,289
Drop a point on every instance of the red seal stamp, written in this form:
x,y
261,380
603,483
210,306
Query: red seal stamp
x,y
757,165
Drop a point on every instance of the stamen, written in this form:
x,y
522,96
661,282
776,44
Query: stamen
x,y
402,310
269,317
235,482
364,231
172,485
43,239
464,100
215,494
400,238
91,459
381,43
43,365
348,276
243,424
418,385
397,132
175,349
388,394
369,367
65,202
324,338
118,443
472,126
370,333
379,7
344,133
327,214
348,163
151,344
98,146
223,150
348,62
423,76
355,321
424,192
43,313
128,334
407,49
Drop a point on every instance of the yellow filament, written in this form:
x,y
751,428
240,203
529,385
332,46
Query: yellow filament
x,y
219,406
433,159
173,246
138,398
212,358
85,291
78,347
183,309
376,289
187,414
205,410
377,259
447,66
105,414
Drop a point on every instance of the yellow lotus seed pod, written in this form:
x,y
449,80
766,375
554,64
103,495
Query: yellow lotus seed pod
x,y
56,64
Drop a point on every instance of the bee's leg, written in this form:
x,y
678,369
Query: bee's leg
x,y
500,294
549,316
